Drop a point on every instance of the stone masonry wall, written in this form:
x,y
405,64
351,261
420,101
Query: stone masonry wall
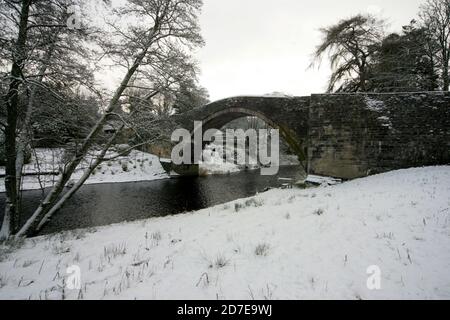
x,y
355,135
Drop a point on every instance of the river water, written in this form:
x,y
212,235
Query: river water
x,y
104,204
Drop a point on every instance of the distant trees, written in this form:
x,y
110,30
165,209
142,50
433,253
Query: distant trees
x,y
350,45
363,58
404,62
190,96
435,17
56,123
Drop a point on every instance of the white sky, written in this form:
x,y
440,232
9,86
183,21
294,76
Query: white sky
x,y
261,46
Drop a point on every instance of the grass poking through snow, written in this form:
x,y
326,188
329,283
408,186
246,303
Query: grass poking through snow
x,y
113,251
262,249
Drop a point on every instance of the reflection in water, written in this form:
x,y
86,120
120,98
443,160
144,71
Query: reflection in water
x,y
103,204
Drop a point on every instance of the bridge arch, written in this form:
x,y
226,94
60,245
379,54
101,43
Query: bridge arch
x,y
288,115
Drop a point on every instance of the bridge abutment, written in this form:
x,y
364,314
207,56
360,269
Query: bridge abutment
x,y
356,135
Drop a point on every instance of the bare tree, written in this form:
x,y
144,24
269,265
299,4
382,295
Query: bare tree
x,y
161,31
46,57
435,16
11,101
351,44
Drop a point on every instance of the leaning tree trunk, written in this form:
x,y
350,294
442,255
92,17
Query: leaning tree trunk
x,y
81,181
33,222
98,160
11,217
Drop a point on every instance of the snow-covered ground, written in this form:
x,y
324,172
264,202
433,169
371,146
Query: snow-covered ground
x,y
137,166
284,244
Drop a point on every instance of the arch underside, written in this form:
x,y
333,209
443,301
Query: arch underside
x,y
219,119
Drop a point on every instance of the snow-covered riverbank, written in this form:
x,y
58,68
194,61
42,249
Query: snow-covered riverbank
x,y
283,244
214,163
137,166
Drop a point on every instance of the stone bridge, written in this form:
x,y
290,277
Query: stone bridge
x,y
346,135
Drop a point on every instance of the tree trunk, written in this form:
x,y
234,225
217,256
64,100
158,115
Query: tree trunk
x,y
24,139
80,182
33,222
12,214
446,78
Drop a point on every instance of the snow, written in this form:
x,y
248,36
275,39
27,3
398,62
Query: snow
x,y
213,162
375,105
385,122
319,180
379,106
311,244
277,94
137,166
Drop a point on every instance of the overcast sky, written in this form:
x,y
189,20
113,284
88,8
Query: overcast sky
x,y
261,46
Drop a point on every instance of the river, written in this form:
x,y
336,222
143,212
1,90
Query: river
x,y
104,204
